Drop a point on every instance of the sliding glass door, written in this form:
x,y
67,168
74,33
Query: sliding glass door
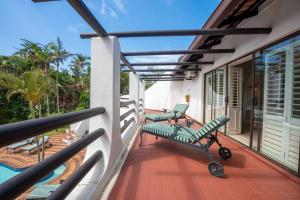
x,y
215,93
281,118
208,97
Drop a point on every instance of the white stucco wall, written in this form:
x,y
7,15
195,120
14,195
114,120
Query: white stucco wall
x,y
282,16
163,94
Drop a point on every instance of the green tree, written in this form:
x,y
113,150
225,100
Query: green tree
x,y
33,86
40,56
124,83
79,64
59,55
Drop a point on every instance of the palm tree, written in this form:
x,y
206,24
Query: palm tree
x,y
40,57
59,55
78,66
33,86
45,57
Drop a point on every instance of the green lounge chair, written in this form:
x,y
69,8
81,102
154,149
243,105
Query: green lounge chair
x,y
201,139
20,144
42,191
178,112
34,146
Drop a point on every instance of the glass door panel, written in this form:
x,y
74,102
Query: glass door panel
x,y
220,93
281,121
208,97
293,122
258,100
274,99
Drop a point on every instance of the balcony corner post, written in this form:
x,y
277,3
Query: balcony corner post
x,y
104,92
134,92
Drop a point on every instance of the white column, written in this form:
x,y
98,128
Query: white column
x,y
142,95
105,92
134,92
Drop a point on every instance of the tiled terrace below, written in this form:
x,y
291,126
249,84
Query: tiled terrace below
x,y
22,159
164,170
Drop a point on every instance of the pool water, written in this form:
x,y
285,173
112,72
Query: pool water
x,y
7,172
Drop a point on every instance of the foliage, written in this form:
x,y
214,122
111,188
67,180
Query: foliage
x,y
43,80
148,84
32,85
124,86
39,64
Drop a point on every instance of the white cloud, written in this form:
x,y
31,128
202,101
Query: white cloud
x,y
120,5
77,28
106,10
73,29
107,7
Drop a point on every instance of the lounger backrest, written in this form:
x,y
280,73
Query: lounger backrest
x,y
46,138
211,126
30,140
180,108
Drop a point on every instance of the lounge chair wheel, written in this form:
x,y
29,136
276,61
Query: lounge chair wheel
x,y
225,153
216,169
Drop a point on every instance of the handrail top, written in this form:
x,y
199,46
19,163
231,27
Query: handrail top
x,y
15,132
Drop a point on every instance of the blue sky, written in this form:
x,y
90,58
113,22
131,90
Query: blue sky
x,y
43,22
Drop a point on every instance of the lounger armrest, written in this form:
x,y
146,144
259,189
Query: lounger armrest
x,y
175,113
166,110
189,122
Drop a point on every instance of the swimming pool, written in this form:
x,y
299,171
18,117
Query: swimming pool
x,y
7,172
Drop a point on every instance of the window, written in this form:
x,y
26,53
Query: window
x,y
275,82
296,80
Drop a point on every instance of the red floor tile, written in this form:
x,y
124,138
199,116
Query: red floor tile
x,y
164,170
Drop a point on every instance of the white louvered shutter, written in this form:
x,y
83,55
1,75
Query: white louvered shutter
x,y
274,99
235,100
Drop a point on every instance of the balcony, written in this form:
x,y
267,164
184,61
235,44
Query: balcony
x,y
161,169
114,166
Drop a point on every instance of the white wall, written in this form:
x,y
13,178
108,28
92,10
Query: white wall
x,y
282,16
163,94
194,89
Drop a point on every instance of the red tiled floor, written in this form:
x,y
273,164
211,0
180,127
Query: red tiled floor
x,y
164,170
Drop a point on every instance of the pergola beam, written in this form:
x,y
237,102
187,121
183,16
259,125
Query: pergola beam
x,y
162,79
153,75
167,78
177,52
171,63
159,33
164,70
126,63
41,1
87,15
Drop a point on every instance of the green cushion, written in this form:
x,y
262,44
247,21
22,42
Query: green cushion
x,y
185,134
176,132
161,116
42,191
179,109
211,126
